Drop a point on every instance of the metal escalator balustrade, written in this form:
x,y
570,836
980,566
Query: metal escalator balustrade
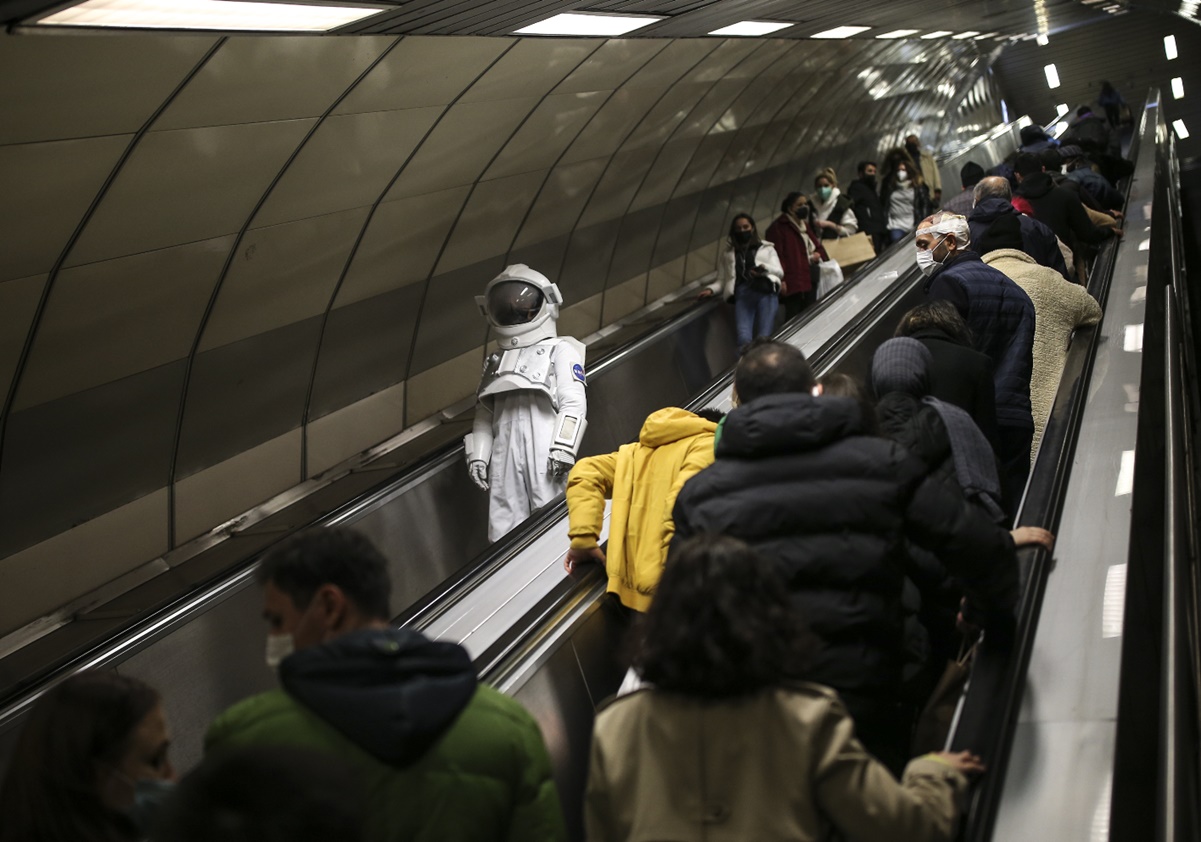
x,y
1042,704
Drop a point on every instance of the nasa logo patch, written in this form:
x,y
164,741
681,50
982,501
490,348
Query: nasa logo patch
x,y
578,371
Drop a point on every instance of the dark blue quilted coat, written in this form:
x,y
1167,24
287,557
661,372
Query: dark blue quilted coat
x,y
1001,317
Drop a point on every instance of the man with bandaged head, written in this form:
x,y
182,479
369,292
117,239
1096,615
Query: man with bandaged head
x,y
532,405
1001,317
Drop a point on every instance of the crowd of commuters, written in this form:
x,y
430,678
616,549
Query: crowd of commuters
x,y
798,571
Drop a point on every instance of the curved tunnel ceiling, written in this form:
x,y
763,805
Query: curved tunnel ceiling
x,y
234,262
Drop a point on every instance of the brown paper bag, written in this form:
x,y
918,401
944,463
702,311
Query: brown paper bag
x,y
849,251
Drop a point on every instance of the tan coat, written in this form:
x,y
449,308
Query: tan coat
x,y
1059,308
781,765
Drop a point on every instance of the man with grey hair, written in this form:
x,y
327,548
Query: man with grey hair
x,y
992,201
1001,317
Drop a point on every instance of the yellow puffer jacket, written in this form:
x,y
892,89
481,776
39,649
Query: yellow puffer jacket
x,y
643,480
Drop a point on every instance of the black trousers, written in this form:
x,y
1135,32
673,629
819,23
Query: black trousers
x,y
796,303
1013,462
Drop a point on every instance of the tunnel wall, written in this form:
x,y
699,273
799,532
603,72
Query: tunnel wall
x,y
232,263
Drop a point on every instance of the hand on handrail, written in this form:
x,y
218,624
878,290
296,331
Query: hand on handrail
x,y
1025,536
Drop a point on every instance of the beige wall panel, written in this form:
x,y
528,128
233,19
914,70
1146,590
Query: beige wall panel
x,y
401,244
253,79
770,51
437,388
53,573
676,59
225,490
701,261
611,65
615,120
187,185
706,117
58,86
340,435
618,185
667,114
347,163
625,298
554,124
115,318
720,63
459,148
665,173
665,279
47,188
582,318
281,275
560,202
532,68
18,302
489,221
423,71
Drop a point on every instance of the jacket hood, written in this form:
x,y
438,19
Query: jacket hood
x,y
392,692
1032,134
787,423
901,365
672,424
1036,186
991,209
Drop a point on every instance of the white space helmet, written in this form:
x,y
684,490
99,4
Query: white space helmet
x,y
520,301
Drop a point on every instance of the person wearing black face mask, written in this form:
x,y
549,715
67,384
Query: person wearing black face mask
x,y
800,250
865,202
749,275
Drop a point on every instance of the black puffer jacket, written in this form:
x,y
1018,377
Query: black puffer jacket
x,y
796,478
1038,240
1060,211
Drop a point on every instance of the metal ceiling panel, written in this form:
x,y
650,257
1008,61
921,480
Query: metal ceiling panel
x,y
48,188
187,185
258,80
100,86
546,133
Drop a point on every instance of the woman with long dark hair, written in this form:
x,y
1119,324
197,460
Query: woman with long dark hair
x,y
727,736
904,194
89,763
800,250
749,273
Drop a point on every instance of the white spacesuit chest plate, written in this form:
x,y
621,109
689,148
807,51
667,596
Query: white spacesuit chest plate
x,y
519,368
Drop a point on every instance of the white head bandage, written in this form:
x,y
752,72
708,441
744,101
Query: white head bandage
x,y
949,223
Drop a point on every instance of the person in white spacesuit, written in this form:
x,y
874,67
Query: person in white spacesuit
x,y
532,406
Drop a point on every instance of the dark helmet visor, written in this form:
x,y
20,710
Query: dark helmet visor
x,y
514,303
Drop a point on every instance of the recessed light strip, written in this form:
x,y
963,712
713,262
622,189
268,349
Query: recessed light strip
x,y
942,33
580,23
208,14
752,28
840,32
898,33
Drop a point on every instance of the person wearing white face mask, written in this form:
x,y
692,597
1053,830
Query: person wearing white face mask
x,y
904,194
1001,317
833,214
439,755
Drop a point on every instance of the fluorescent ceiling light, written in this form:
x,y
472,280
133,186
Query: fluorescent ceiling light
x,y
1169,47
964,35
1177,88
942,33
1061,109
1043,40
1181,131
751,28
898,33
841,32
208,14
1052,76
576,23
986,36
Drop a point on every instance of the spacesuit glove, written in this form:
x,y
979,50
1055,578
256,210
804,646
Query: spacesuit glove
x,y
478,471
559,464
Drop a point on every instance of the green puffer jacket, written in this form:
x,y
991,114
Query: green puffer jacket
x,y
441,757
